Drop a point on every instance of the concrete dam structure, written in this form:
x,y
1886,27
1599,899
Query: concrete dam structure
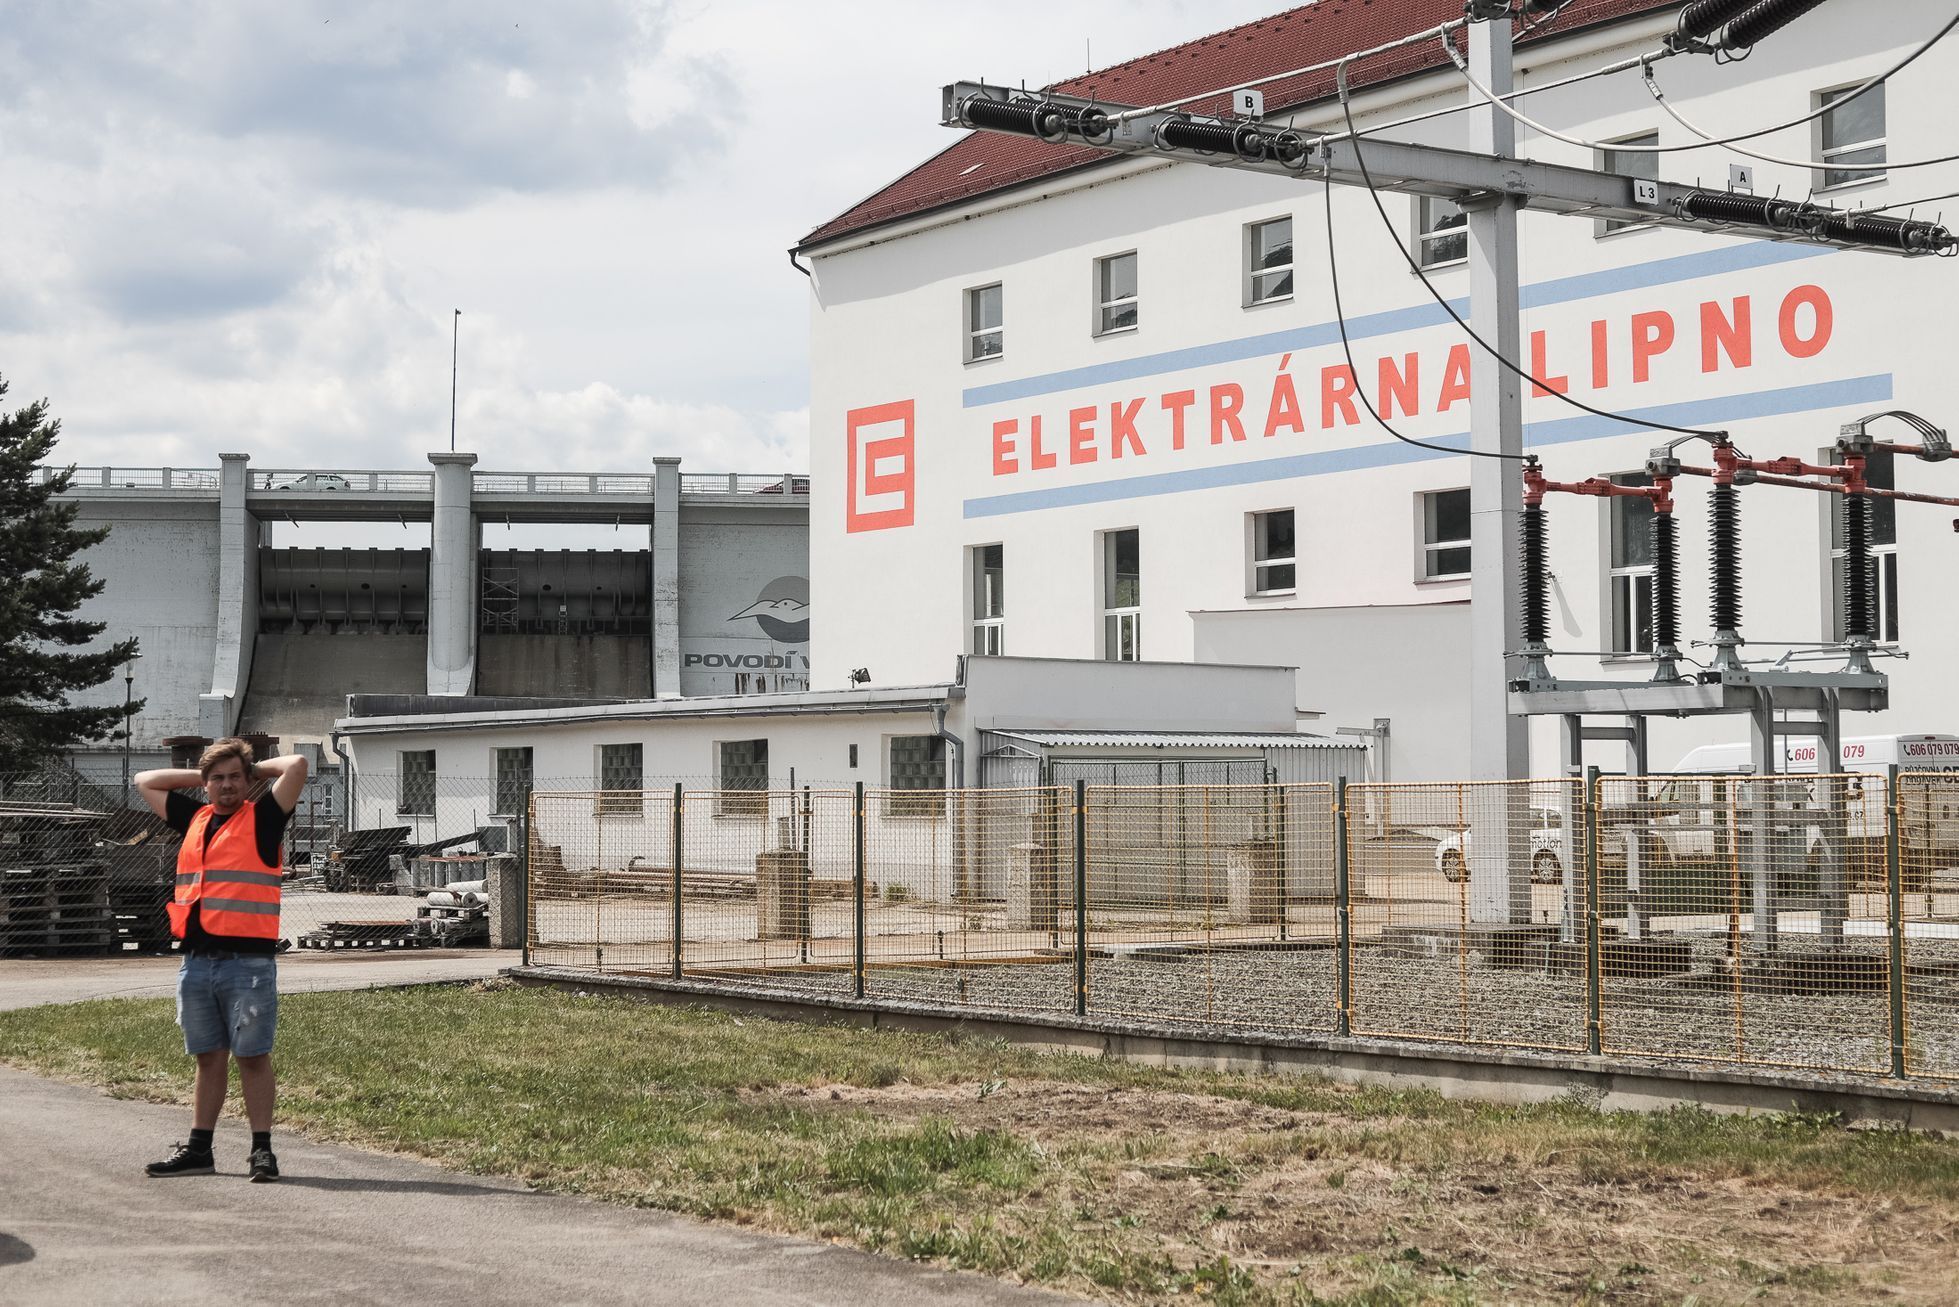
x,y
241,634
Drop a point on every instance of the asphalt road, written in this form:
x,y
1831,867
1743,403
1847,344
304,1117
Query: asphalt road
x,y
80,1223
26,982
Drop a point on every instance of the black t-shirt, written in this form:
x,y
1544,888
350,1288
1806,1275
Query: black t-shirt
x,y
179,809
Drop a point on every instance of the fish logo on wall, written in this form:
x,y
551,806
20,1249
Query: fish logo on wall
x,y
781,610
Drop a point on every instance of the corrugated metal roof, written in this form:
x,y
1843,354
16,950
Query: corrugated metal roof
x,y
1176,740
1309,34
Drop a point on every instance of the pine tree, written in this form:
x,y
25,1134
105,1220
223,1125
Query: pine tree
x,y
41,586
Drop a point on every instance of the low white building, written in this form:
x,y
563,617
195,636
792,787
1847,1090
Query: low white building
x,y
442,766
1085,406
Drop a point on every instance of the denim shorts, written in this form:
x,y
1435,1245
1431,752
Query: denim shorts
x,y
228,1003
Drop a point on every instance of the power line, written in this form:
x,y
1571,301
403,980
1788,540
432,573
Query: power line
x,y
1886,165
1374,193
1910,204
1347,348
1493,98
1623,66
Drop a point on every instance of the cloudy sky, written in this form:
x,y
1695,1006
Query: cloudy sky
x,y
244,224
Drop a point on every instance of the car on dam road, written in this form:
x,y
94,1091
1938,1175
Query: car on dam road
x,y
316,481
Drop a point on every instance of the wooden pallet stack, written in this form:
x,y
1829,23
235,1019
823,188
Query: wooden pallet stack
x,y
54,912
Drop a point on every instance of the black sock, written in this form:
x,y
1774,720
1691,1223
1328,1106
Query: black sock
x,y
200,1140
261,1139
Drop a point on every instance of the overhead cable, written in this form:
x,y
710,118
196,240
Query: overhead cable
x,y
1374,193
1910,204
1413,38
1353,371
1833,166
1462,66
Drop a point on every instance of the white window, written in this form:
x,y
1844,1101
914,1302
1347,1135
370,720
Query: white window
x,y
744,788
1268,261
1631,573
1122,596
1441,232
1851,133
1273,570
1881,470
415,783
621,779
513,787
1445,535
984,338
1115,293
918,772
989,599
1629,163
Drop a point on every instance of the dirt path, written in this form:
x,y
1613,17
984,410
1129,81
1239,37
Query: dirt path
x,y
1298,1197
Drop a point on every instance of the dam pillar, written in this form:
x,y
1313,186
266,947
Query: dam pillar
x,y
237,627
452,578
666,578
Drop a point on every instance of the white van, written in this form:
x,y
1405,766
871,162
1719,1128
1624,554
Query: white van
x,y
1872,754
1930,815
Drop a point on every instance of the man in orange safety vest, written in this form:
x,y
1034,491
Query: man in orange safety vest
x,y
225,912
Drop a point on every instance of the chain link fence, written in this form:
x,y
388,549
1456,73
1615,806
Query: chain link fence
x,y
1799,922
1467,907
370,863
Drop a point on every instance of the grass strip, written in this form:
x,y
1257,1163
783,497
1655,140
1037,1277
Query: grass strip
x,y
1103,1177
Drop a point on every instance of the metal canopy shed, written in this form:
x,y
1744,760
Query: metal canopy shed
x,y
1020,757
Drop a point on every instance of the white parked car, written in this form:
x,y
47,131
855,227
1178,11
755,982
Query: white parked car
x,y
316,481
1549,849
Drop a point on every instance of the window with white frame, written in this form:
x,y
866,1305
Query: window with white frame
x,y
621,779
1881,471
513,782
415,783
917,776
984,336
744,781
1122,596
1273,570
989,599
1631,572
1441,232
1851,132
1268,261
1115,293
1445,535
1629,163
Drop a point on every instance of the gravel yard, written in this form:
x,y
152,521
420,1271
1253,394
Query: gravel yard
x,y
1425,989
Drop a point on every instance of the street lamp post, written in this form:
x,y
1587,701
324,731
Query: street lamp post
x,y
128,698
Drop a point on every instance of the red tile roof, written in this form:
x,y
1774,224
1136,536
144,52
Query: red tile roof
x,y
981,162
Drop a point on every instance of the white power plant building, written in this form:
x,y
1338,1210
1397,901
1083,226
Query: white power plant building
x,y
1079,405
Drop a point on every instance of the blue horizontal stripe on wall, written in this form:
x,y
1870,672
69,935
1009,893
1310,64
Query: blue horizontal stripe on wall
x,y
1561,290
1875,389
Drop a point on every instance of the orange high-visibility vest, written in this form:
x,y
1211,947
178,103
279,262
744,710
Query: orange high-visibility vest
x,y
238,891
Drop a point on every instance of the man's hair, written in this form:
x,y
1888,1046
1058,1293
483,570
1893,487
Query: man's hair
x,y
226,748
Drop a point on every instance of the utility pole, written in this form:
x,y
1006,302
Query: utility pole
x,y
1499,742
455,336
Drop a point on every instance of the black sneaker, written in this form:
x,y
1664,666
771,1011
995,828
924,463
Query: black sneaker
x,y
265,1167
185,1161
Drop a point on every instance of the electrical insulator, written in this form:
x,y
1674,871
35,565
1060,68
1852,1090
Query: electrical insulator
x,y
1702,17
1537,609
1764,19
1724,525
1666,583
1859,619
